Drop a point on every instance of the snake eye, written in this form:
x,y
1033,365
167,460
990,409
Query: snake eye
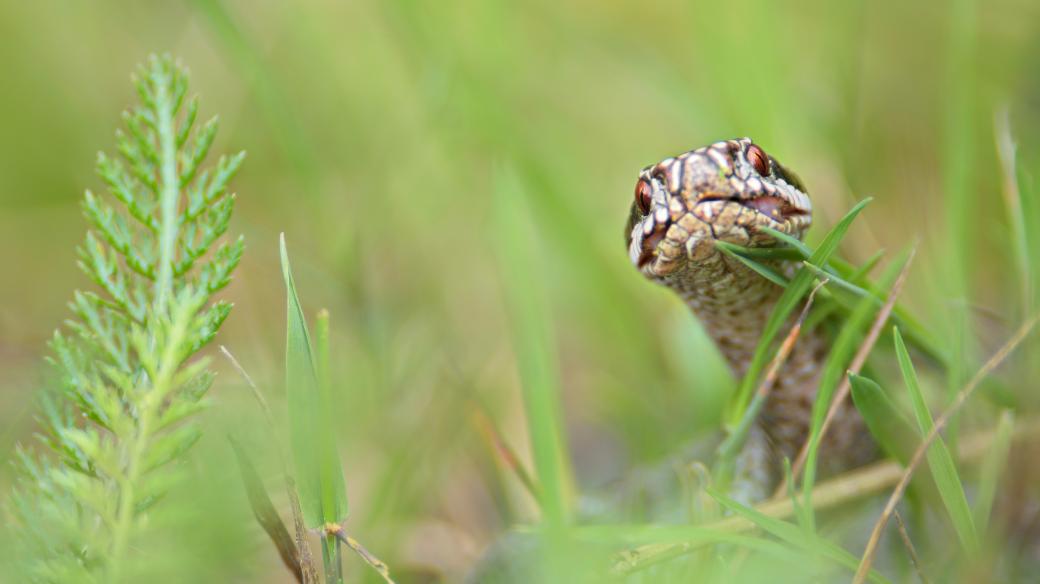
x,y
644,195
758,159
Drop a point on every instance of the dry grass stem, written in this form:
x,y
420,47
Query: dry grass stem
x,y
940,423
858,360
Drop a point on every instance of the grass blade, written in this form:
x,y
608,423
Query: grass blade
x,y
1013,204
767,253
846,276
891,428
794,535
886,422
265,513
794,242
759,268
992,468
659,535
330,551
940,461
962,397
319,479
533,343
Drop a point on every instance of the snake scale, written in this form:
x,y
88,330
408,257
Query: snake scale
x,y
727,191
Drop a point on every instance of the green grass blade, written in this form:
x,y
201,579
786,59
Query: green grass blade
x,y
804,515
887,424
940,461
992,468
265,511
321,356
798,288
678,537
854,274
837,280
794,535
759,268
1030,204
319,474
797,244
534,346
960,169
731,447
768,253
850,279
685,535
846,276
330,550
1014,205
915,331
331,465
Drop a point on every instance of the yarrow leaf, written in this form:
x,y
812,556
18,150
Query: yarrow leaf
x,y
128,387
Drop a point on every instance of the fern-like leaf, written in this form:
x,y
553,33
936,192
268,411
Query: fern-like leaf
x,y
128,387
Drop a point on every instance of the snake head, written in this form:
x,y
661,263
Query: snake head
x,y
726,191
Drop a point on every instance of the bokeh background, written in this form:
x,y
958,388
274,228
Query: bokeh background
x,y
375,130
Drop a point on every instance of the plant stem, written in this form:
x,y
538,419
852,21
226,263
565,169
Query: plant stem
x,y
170,191
125,515
135,444
150,400
330,557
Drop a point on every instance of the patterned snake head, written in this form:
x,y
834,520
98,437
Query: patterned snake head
x,y
725,191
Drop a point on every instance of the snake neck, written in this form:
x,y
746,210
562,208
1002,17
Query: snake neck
x,y
733,303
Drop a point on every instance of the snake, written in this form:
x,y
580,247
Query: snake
x,y
728,191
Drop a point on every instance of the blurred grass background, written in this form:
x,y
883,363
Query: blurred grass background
x,y
374,130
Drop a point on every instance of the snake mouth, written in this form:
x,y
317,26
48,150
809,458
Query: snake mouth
x,y
775,208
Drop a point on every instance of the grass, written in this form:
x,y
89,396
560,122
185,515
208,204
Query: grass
x,y
453,179
944,471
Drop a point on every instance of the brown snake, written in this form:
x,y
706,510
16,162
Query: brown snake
x,y
727,191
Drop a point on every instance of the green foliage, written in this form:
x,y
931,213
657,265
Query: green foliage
x,y
319,475
743,408
794,535
795,290
993,468
128,387
845,344
312,436
533,342
532,335
886,422
940,461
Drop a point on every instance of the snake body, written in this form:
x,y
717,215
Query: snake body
x,y
727,191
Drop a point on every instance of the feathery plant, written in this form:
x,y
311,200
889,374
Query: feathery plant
x,y
128,387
